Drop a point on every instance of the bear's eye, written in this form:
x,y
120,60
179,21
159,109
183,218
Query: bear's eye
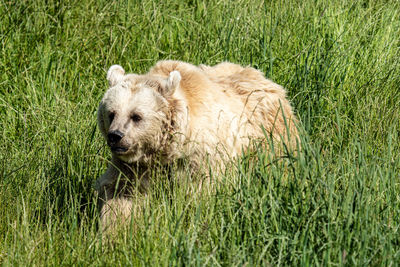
x,y
111,116
136,118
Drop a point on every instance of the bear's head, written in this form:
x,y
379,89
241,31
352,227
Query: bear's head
x,y
135,113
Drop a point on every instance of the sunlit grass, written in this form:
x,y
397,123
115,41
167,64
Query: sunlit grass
x,y
335,203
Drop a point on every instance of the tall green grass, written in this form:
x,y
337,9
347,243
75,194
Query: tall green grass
x,y
335,203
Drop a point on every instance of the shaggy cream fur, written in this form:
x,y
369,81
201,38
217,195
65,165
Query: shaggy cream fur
x,y
178,110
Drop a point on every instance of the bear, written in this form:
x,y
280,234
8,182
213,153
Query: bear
x,y
181,111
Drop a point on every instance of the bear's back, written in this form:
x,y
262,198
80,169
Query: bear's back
x,y
229,104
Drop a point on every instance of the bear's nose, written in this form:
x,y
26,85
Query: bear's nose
x,y
114,137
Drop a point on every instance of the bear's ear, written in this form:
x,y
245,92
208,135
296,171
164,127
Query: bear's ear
x,y
173,82
115,74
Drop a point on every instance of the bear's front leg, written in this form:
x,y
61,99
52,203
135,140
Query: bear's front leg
x,y
120,196
120,212
114,208
115,213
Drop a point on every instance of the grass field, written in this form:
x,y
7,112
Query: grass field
x,y
336,203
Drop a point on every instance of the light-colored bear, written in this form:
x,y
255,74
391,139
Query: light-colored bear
x,y
179,110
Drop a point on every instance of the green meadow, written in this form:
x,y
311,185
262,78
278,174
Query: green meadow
x,y
335,203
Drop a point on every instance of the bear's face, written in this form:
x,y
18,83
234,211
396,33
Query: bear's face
x,y
133,113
